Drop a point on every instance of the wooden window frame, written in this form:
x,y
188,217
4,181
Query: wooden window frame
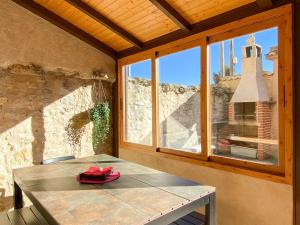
x,y
280,23
164,52
280,17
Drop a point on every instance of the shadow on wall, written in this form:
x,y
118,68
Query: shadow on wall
x,y
181,119
35,107
176,128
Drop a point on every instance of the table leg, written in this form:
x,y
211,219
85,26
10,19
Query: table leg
x,y
18,197
210,218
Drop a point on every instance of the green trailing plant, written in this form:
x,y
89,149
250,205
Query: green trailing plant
x,y
99,115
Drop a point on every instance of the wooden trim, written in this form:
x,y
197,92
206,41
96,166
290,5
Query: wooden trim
x,y
170,12
285,99
137,146
179,47
66,26
205,109
115,115
120,104
214,165
288,94
243,30
155,106
135,58
106,22
235,15
264,4
296,77
247,164
179,152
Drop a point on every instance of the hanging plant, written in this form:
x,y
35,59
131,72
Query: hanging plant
x,y
75,128
99,115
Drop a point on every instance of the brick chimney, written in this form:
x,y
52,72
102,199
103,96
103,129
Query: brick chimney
x,y
252,89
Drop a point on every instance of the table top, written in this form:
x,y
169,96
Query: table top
x,y
141,195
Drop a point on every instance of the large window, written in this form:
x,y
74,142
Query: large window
x,y
222,97
137,102
179,100
244,97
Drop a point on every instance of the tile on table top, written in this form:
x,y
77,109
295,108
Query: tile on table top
x,y
181,187
149,200
82,207
29,175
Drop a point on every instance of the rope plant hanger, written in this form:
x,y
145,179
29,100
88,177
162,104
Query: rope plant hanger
x,y
99,115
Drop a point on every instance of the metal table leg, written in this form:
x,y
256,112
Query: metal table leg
x,y
18,197
210,210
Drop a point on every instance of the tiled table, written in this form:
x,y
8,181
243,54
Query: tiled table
x,y
140,196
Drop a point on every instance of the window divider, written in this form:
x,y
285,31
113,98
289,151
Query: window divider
x,y
204,98
155,105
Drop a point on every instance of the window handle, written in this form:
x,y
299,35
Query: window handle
x,y
284,103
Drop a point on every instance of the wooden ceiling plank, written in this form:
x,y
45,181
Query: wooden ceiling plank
x,y
221,19
195,11
169,11
65,25
264,4
85,23
106,22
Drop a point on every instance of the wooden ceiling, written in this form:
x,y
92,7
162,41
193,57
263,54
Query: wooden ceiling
x,y
123,27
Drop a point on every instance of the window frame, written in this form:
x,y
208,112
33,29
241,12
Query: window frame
x,y
279,17
182,47
280,23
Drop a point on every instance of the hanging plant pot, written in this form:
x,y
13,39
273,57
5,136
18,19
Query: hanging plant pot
x,y
99,115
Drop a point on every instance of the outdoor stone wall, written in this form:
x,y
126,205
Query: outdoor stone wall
x,y
179,112
45,80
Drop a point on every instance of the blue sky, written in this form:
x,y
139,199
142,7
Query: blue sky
x,y
184,67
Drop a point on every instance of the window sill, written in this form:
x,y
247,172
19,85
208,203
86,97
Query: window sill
x,y
212,164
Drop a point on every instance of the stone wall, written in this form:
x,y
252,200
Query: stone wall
x,y
179,112
41,89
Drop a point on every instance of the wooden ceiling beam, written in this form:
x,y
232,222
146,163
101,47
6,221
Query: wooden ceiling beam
x,y
264,4
106,22
169,11
66,26
224,18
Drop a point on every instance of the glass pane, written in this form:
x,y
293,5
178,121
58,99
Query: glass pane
x,y
179,100
244,97
138,102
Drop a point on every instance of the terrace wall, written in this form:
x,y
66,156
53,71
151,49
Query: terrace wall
x,y
38,95
179,110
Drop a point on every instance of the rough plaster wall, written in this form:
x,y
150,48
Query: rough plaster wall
x,y
35,106
26,38
241,200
